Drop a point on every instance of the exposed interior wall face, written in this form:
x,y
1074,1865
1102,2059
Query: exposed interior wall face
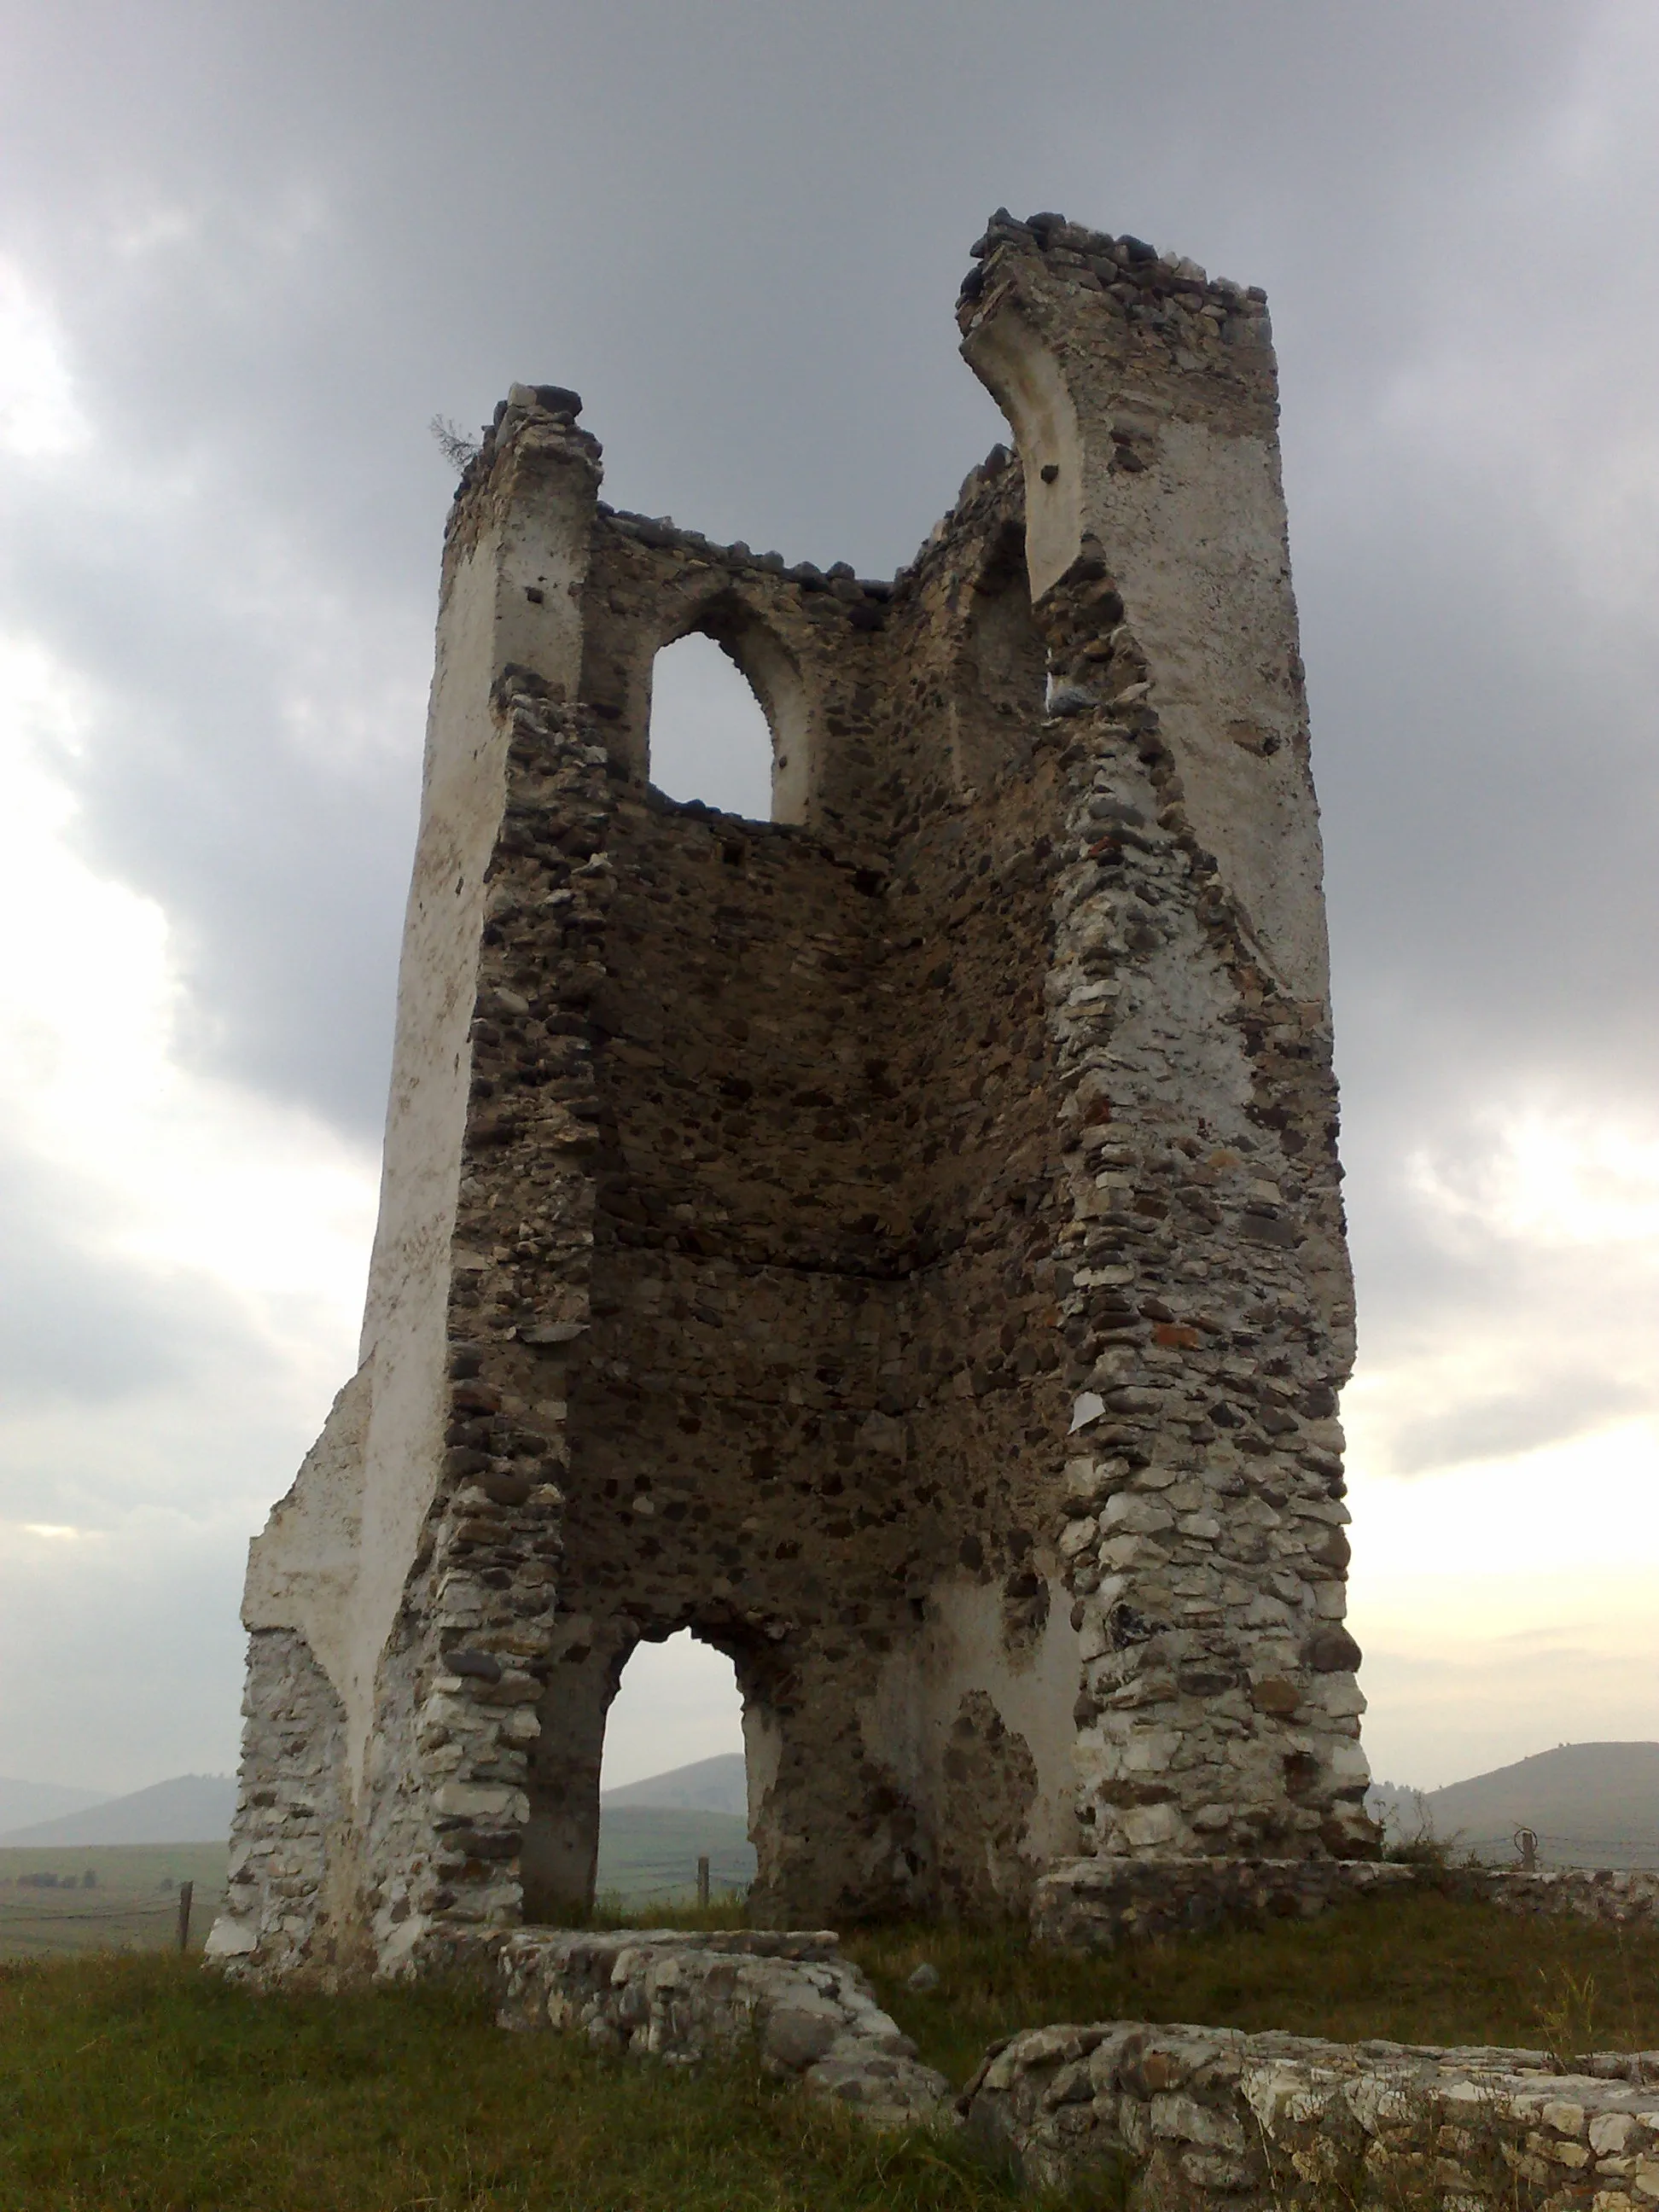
x,y
560,1855
799,1422
732,1467
968,918
810,643
1005,671
980,1723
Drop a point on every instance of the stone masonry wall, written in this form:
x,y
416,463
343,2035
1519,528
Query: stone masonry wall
x,y
900,1242
807,2013
286,1839
1194,2117
1097,1904
775,1378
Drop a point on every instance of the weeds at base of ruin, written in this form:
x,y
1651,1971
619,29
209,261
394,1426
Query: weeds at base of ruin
x,y
615,1910
141,2083
1426,1968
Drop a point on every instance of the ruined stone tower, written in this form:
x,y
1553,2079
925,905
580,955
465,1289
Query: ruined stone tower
x,y
900,1242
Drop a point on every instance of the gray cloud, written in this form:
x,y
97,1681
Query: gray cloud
x,y
739,236
81,1326
278,241
1553,1409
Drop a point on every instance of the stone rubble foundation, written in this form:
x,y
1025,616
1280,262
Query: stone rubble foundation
x,y
1201,2117
1094,1904
1193,2117
664,1993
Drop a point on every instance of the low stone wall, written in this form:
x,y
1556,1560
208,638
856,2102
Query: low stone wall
x,y
1200,2118
679,1996
1622,1899
1094,1904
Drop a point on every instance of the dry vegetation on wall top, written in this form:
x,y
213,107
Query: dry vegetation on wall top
x,y
139,2085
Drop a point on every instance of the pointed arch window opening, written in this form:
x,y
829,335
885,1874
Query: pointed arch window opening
x,y
710,738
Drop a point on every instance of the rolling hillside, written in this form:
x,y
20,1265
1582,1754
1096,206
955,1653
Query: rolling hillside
x,y
708,1785
647,1852
190,1808
651,1833
1591,1804
23,1803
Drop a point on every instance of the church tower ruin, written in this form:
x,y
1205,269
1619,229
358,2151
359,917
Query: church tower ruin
x,y
900,1242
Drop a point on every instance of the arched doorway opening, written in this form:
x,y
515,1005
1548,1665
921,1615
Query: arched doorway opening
x,y
646,1732
709,739
674,1786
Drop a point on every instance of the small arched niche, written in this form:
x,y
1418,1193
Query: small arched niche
x,y
1002,679
1027,382
727,719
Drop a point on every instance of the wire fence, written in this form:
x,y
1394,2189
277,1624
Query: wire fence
x,y
1633,1853
29,1928
1562,1851
104,1909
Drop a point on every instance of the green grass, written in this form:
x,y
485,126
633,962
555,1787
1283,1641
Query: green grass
x,y
132,1906
1416,1969
144,2085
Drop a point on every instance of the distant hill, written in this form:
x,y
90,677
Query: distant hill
x,y
652,1851
191,1808
1591,1804
708,1785
21,1801
653,1832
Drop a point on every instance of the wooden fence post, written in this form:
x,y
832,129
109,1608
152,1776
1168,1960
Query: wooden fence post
x,y
186,1891
702,1881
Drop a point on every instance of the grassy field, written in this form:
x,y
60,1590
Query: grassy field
x,y
645,1852
647,1857
132,1903
141,2084
1416,1969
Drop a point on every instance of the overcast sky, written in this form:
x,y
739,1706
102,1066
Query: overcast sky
x,y
246,252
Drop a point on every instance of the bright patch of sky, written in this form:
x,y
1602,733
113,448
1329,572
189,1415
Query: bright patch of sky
x,y
39,418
